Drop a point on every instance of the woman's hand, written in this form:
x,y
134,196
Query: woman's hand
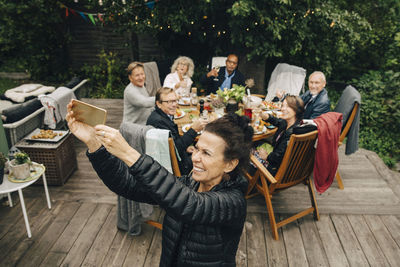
x,y
182,84
264,116
212,72
198,125
262,153
82,131
115,143
190,149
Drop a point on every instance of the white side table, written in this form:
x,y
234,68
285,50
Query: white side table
x,y
8,187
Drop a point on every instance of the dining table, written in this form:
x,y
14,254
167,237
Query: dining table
x,y
191,112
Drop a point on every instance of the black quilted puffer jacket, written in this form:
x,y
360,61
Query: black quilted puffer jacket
x,y
199,229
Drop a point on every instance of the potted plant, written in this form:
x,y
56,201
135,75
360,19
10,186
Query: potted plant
x,y
20,165
3,161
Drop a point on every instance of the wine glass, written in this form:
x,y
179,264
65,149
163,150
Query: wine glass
x,y
217,69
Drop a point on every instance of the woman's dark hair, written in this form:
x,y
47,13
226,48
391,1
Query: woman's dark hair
x,y
238,136
297,104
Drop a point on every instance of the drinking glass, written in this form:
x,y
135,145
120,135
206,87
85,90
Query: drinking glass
x,y
216,78
194,100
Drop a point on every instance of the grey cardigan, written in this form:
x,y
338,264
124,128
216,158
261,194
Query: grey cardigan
x,y
138,104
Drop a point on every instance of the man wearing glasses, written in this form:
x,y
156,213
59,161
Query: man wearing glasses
x,y
225,77
163,118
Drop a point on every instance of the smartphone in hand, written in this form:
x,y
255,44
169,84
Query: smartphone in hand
x,y
88,113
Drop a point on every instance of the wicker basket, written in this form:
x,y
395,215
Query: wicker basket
x,y
58,158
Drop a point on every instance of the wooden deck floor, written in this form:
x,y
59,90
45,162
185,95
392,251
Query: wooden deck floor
x,y
359,226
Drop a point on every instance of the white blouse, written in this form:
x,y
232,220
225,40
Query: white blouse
x,y
173,78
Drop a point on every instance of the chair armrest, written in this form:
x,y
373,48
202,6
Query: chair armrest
x,y
22,121
79,85
263,170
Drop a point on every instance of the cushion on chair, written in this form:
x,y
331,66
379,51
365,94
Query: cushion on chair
x,y
18,112
73,82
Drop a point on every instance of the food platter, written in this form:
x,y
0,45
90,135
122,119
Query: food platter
x,y
179,114
265,105
264,130
36,136
184,101
186,128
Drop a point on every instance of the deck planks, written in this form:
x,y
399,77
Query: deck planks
x,y
359,225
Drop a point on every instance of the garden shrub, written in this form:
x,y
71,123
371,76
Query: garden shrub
x,y
380,114
108,78
33,37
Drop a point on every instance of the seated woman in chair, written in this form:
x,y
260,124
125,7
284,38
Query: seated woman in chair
x,y
205,211
180,76
138,104
292,114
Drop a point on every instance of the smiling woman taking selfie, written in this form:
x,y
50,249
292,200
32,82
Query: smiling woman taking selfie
x,y
205,211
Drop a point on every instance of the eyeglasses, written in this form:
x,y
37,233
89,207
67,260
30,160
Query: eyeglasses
x,y
232,62
169,101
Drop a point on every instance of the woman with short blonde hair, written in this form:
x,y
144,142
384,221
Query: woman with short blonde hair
x,y
180,76
138,104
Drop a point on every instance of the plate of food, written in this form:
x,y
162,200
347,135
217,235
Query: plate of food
x,y
179,113
260,129
186,127
42,135
184,101
266,105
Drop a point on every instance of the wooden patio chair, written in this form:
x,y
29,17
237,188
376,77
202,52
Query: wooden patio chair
x,y
176,171
296,168
342,136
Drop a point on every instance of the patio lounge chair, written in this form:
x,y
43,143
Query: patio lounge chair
x,y
15,131
349,106
296,168
286,78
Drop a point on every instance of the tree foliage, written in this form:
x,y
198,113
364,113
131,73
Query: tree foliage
x,y
313,34
380,113
32,37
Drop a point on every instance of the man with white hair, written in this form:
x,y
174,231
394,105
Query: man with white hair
x,y
316,100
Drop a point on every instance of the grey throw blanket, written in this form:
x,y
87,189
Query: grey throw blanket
x,y
152,77
345,105
130,213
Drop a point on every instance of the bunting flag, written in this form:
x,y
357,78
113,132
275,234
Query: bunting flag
x,y
150,4
100,16
83,15
91,19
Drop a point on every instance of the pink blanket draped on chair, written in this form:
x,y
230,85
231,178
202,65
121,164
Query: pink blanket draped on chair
x,y
326,155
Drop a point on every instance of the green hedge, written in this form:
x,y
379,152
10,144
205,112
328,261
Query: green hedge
x,y
380,114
